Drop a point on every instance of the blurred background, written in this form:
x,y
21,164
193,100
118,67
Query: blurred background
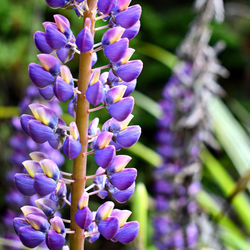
x,y
164,25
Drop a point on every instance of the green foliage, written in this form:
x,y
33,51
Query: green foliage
x,y
241,202
140,205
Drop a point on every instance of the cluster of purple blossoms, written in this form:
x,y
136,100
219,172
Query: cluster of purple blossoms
x,y
185,126
41,175
175,184
22,146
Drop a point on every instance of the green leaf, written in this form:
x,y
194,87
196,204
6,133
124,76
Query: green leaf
x,y
145,154
7,112
241,202
241,113
139,208
231,135
234,240
146,103
159,54
210,206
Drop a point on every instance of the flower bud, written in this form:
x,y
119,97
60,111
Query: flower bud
x,y
39,133
41,43
115,94
84,39
31,237
121,109
122,196
63,90
24,120
66,74
38,156
32,210
38,222
47,92
71,147
93,127
130,70
57,225
104,211
105,6
25,184
50,169
39,76
95,93
54,37
121,215
128,232
49,63
118,164
128,55
61,190
54,240
104,156
129,17
83,217
44,185
122,4
124,179
19,222
132,32
103,140
112,35
84,200
48,206
129,136
95,75
117,50
32,167
65,54
62,23
44,114
56,3
108,228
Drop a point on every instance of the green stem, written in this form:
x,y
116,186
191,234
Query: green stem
x,y
82,118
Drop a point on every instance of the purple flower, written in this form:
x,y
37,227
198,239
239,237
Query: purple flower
x,y
41,177
71,147
84,39
56,3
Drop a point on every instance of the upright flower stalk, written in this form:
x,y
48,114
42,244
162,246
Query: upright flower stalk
x,y
108,90
82,119
183,128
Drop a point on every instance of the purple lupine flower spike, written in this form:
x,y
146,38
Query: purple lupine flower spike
x,y
177,180
42,178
